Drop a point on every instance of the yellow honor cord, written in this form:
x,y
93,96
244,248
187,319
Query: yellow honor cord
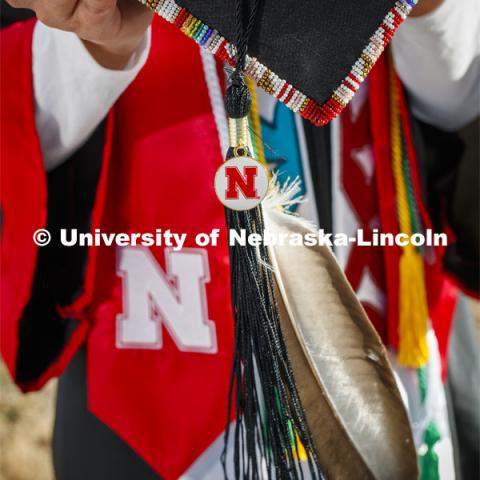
x,y
413,309
255,123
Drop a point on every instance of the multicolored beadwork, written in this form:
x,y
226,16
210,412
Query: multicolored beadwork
x,y
211,39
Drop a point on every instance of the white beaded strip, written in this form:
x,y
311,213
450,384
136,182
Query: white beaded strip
x,y
196,29
373,50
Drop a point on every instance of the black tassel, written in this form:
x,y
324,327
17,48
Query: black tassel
x,y
268,412
237,98
269,417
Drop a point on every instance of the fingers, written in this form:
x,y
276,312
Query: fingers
x,y
54,13
97,20
21,3
90,19
98,7
115,25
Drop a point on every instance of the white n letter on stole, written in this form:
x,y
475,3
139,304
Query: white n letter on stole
x,y
176,298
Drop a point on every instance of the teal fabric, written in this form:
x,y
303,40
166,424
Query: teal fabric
x,y
282,147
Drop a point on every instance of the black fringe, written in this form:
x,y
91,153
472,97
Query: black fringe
x,y
262,389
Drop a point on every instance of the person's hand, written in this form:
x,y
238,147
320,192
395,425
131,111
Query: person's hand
x,y
110,29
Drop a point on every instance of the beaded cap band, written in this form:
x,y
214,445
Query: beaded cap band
x,y
213,41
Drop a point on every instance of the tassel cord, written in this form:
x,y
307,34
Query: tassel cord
x,y
243,34
279,368
269,417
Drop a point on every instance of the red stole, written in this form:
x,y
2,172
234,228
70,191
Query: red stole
x,y
168,404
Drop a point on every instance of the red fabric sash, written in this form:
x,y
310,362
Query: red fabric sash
x,y
23,200
23,185
168,404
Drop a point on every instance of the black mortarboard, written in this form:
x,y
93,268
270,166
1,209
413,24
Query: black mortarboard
x,y
311,54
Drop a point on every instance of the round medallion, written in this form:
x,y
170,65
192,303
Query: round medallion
x,y
241,183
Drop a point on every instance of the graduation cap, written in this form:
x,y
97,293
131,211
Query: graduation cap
x,y
292,419
310,54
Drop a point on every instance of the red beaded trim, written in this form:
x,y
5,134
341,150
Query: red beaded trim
x,y
266,79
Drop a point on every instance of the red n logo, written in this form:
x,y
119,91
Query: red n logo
x,y
241,183
237,182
